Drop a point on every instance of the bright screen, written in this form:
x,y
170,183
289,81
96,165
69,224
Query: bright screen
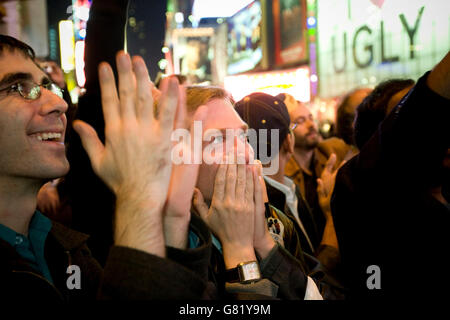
x,y
244,39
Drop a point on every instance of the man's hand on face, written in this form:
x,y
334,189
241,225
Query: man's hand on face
x,y
232,212
135,161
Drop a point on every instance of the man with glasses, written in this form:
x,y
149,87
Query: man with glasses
x,y
28,89
311,156
41,260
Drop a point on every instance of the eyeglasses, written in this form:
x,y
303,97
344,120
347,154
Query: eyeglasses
x,y
30,90
300,120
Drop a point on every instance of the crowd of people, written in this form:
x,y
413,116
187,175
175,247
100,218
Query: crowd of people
x,y
360,215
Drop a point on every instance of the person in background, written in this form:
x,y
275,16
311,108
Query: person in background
x,y
389,205
308,161
345,115
264,112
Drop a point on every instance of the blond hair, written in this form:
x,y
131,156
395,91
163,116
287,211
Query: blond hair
x,y
200,95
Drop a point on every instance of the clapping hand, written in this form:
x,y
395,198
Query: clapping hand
x,y
135,161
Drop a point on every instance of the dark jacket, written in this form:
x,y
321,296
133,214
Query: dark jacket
x,y
278,199
128,274
384,215
328,256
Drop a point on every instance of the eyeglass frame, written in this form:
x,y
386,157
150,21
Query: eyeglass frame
x,y
51,86
296,123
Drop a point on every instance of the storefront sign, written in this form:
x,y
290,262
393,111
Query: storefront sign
x,y
363,42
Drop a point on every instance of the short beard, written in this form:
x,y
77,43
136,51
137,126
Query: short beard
x,y
305,144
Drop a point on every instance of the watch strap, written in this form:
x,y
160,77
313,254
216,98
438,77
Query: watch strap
x,y
236,274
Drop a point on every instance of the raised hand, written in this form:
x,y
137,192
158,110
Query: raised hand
x,y
135,161
177,210
325,187
325,184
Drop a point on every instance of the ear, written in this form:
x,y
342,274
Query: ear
x,y
288,144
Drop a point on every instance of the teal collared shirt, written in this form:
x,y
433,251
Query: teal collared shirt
x,y
194,241
31,248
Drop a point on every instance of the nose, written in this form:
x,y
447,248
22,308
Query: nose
x,y
311,124
51,103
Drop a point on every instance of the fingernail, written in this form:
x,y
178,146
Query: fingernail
x,y
103,70
124,60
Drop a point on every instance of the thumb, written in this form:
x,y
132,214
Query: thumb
x,y
261,180
331,162
342,164
320,188
91,143
199,204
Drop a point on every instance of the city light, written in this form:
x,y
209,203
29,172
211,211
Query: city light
x,y
67,45
217,8
295,82
79,63
311,22
179,17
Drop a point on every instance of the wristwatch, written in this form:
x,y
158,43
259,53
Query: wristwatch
x,y
245,272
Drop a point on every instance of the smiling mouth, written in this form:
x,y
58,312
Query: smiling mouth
x,y
49,136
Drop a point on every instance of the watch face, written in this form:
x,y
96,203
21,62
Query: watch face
x,y
250,271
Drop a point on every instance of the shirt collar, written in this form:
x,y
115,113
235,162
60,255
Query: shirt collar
x,y
286,187
8,235
40,223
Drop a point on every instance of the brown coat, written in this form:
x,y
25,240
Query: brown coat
x,y
322,152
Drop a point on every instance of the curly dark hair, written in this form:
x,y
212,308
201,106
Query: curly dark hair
x,y
372,110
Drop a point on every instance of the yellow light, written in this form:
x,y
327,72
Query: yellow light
x,y
67,45
294,82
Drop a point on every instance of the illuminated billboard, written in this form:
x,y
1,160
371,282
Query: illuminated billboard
x,y
292,81
245,50
289,23
363,42
193,54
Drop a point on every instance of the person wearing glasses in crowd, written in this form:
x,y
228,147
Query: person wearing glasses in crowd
x,y
308,162
37,256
